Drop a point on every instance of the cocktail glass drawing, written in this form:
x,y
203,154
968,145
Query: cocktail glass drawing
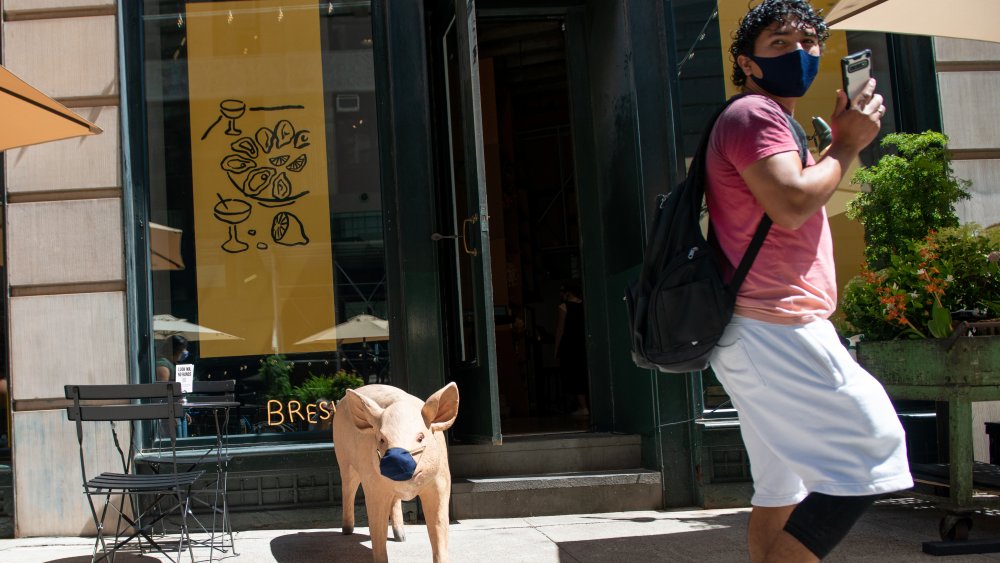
x,y
232,212
232,110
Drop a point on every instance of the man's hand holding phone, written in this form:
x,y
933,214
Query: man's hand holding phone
x,y
857,117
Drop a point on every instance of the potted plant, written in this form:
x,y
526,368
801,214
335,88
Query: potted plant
x,y
924,278
921,270
275,371
326,387
927,286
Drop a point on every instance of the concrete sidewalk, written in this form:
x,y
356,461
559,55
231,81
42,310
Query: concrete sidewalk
x,y
892,531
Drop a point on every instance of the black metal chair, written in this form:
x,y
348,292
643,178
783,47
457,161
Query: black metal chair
x,y
159,403
207,397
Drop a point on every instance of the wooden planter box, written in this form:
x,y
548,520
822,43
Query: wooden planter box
x,y
962,361
958,371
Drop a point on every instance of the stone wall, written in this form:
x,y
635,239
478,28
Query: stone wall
x,y
65,266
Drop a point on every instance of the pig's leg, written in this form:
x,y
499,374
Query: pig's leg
x,y
435,503
398,531
379,507
350,480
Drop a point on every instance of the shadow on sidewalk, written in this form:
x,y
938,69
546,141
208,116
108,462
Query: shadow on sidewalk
x,y
320,546
720,537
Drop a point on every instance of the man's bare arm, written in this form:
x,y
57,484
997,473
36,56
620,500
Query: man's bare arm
x,y
789,193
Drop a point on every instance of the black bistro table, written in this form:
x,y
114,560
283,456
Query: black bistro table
x,y
214,455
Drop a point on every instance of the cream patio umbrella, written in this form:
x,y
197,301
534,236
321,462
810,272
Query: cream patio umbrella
x,y
361,328
30,117
962,19
166,325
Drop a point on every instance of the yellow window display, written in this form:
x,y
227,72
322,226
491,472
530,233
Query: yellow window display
x,y
265,208
258,148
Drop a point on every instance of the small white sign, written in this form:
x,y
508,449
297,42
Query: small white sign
x,y
185,376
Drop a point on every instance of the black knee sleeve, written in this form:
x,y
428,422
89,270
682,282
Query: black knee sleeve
x,y
821,521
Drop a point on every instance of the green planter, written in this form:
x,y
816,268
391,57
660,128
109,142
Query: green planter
x,y
958,371
933,362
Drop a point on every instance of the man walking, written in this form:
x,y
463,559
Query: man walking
x,y
822,436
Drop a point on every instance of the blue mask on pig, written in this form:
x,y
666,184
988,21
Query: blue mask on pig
x,y
788,75
397,464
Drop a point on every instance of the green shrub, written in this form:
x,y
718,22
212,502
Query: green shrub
x,y
925,281
332,387
908,194
275,371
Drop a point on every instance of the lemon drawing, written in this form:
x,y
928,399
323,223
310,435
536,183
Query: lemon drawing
x,y
287,230
297,164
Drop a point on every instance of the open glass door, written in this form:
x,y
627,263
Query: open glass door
x,y
471,333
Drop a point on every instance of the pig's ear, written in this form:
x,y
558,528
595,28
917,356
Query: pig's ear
x,y
441,408
364,411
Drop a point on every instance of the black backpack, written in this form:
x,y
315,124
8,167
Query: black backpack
x,y
680,305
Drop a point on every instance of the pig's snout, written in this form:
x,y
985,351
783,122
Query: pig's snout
x,y
397,464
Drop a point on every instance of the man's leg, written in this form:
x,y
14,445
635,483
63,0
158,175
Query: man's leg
x,y
766,524
787,549
816,526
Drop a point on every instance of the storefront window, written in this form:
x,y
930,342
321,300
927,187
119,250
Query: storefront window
x,y
704,35
267,255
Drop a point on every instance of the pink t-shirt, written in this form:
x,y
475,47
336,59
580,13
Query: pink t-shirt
x,y
793,279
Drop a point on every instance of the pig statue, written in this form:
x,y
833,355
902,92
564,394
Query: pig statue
x,y
393,445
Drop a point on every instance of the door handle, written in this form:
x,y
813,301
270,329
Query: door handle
x,y
464,238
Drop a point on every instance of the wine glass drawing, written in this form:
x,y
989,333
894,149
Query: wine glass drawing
x,y
232,110
232,212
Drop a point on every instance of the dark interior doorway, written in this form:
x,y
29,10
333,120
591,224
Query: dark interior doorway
x,y
534,220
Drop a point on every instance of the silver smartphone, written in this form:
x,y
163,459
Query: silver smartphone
x,y
856,69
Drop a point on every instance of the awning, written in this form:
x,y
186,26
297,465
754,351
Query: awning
x,y
962,19
30,117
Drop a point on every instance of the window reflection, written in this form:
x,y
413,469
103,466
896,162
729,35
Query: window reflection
x,y
266,247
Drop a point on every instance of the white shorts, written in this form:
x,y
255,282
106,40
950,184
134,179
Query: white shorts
x,y
812,419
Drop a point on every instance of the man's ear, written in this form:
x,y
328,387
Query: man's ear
x,y
365,413
746,65
441,408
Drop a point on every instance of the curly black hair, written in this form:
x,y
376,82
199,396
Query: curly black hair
x,y
762,16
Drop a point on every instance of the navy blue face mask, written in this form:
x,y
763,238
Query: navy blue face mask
x,y
397,464
788,75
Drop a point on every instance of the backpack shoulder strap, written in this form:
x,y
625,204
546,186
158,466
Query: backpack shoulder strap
x,y
801,138
684,208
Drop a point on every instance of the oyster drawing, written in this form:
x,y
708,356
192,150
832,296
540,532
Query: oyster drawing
x,y
254,166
